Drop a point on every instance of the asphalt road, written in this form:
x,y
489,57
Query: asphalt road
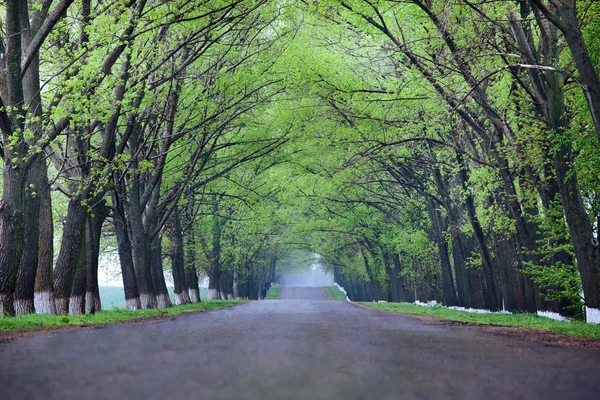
x,y
292,350
302,293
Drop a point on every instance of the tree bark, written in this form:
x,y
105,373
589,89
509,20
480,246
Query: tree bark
x,y
68,256
93,233
132,296
44,281
77,299
177,260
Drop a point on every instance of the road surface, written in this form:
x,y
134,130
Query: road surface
x,y
292,350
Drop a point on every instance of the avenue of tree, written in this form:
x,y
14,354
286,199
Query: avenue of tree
x,y
427,150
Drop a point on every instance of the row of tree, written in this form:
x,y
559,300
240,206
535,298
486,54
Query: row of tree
x,y
471,133
427,150
115,118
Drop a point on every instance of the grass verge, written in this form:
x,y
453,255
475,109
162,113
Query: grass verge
x,y
530,321
40,321
333,293
273,292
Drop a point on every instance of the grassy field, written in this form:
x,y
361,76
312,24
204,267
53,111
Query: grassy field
x,y
532,321
36,321
273,292
333,293
114,297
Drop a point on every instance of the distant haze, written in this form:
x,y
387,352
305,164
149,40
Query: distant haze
x,y
311,275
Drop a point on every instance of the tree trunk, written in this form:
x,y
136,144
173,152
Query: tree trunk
x,y
94,230
68,256
177,258
158,275
132,296
44,283
77,299
141,257
25,284
214,268
191,273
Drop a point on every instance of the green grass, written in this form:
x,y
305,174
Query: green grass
x,y
32,321
532,321
113,296
273,292
333,293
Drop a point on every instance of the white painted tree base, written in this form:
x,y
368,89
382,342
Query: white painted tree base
x,y
133,304
163,301
179,300
553,315
213,294
146,301
229,297
92,300
186,297
43,302
3,299
222,295
62,305
592,315
194,295
23,307
75,303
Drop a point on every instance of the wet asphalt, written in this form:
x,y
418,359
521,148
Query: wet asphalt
x,y
292,349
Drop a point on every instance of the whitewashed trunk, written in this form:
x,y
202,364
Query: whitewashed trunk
x,y
592,315
179,300
75,304
24,306
229,297
62,305
92,300
146,301
194,295
163,301
213,294
133,304
43,303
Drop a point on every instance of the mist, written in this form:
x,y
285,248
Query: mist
x,y
310,275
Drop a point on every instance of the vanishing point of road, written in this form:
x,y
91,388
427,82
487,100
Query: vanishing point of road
x,y
292,349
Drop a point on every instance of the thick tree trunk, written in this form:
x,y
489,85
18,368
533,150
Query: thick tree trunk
x,y
11,235
25,284
93,232
68,256
158,275
132,296
44,282
177,258
191,273
77,299
141,257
